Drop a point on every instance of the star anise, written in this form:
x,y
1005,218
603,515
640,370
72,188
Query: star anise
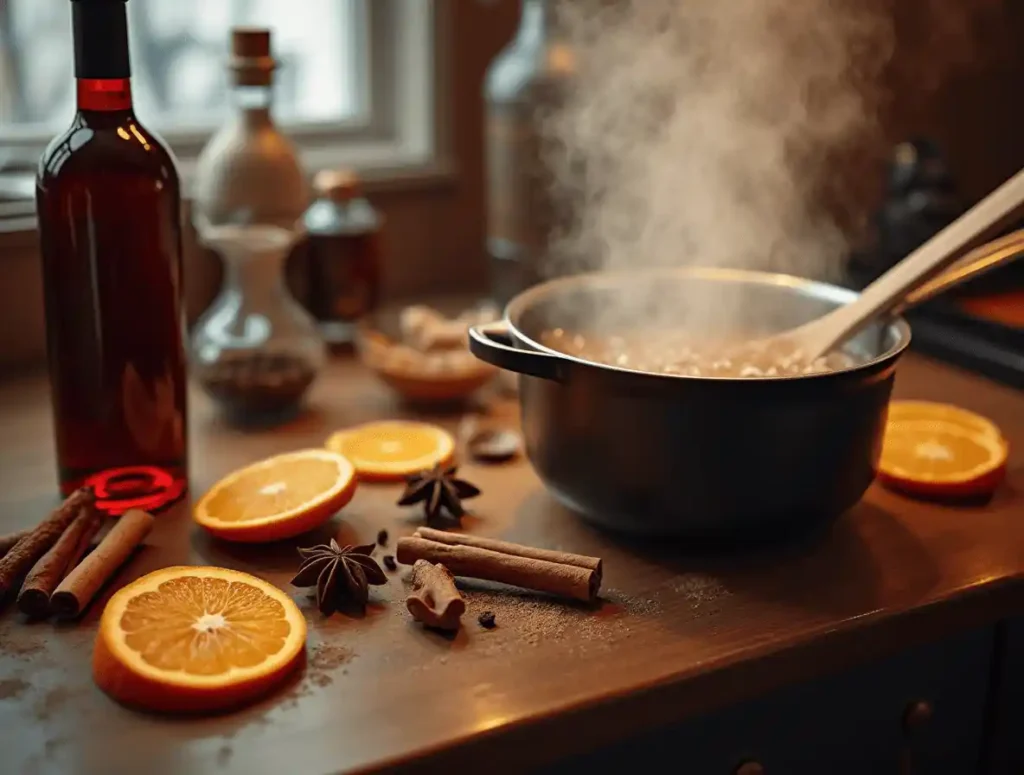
x,y
340,574
440,491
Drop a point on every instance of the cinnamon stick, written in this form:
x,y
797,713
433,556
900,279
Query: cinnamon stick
x,y
81,585
435,600
7,542
31,547
507,547
555,578
63,556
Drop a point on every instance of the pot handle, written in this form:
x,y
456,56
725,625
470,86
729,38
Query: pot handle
x,y
492,343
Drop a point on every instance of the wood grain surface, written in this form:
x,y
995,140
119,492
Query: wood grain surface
x,y
679,630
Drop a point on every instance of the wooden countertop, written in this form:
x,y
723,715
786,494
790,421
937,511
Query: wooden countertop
x,y
678,633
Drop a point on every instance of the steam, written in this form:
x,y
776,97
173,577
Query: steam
x,y
701,132
695,128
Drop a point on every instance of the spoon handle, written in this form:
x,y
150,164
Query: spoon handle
x,y
979,261
889,290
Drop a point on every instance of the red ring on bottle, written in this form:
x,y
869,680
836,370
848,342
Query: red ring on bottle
x,y
149,488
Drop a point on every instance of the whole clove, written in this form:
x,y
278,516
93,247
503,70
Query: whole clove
x,y
486,620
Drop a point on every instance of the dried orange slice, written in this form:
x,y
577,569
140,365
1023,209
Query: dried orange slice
x,y
393,449
196,639
277,498
941,459
928,411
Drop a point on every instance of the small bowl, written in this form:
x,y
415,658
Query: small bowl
x,y
428,377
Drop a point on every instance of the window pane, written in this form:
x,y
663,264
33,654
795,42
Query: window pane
x,y
179,55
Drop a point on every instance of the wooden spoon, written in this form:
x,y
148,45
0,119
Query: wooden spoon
x,y
885,294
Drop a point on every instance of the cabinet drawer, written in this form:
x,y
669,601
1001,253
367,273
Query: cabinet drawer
x,y
1006,750
921,712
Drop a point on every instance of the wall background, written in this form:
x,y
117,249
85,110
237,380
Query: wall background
x,y
435,229
435,232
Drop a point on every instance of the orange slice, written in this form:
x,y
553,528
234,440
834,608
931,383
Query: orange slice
x,y
928,411
277,498
383,451
196,639
940,459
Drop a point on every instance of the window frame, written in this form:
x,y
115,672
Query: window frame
x,y
402,142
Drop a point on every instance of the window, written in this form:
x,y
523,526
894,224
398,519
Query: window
x,y
178,57
355,83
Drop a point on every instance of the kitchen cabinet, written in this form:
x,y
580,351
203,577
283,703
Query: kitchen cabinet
x,y
1005,750
921,712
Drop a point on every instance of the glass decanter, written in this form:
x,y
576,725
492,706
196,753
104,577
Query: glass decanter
x,y
255,351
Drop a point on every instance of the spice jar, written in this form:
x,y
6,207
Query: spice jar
x,y
342,255
255,350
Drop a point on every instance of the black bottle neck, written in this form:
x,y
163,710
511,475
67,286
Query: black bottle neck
x,y
101,39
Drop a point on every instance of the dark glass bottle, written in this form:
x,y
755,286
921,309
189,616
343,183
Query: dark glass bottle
x,y
108,201
343,250
527,80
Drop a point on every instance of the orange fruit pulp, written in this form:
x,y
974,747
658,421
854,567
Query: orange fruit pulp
x,y
277,498
942,457
392,450
186,639
929,411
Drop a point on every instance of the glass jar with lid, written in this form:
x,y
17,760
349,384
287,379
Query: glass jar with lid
x,y
342,262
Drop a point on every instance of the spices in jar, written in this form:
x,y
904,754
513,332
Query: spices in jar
x,y
343,255
252,388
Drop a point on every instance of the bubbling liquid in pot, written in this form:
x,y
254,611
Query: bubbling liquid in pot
x,y
676,353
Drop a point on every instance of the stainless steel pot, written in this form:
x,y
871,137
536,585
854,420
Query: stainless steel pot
x,y
694,457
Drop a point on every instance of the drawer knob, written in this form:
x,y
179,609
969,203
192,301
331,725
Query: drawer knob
x,y
749,768
917,715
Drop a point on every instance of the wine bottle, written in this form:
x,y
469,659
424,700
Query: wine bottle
x,y
109,209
